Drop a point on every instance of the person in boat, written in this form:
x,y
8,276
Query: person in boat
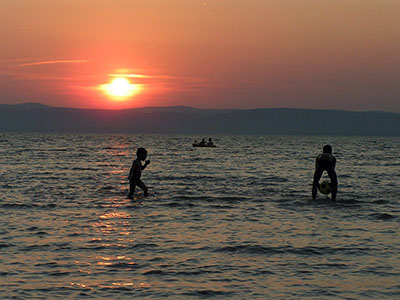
x,y
203,142
136,172
210,142
325,162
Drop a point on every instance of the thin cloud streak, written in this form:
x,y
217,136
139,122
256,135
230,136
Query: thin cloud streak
x,y
49,62
130,75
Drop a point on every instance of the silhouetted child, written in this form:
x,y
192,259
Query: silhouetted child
x,y
136,172
325,162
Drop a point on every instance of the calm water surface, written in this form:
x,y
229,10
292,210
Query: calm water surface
x,y
233,222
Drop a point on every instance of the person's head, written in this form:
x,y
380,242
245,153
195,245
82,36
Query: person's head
x,y
141,153
327,149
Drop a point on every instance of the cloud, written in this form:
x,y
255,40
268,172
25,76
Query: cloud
x,y
130,75
40,70
49,62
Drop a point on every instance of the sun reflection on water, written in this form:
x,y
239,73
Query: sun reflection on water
x,y
114,222
113,285
116,215
125,285
81,285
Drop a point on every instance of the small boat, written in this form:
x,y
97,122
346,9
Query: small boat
x,y
203,145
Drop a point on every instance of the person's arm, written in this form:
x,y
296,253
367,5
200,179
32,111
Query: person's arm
x,y
316,163
334,162
146,164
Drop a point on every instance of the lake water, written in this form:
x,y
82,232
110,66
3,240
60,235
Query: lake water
x,y
235,222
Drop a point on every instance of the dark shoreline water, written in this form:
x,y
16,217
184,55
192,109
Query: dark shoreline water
x,y
232,222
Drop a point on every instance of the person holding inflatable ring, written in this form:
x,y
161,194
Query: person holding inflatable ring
x,y
325,162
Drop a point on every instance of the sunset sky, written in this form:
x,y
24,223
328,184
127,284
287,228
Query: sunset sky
x,y
324,54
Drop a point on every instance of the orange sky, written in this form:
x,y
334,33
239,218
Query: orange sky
x,y
341,54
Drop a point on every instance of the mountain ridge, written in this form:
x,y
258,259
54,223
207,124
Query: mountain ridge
x,y
37,117
186,108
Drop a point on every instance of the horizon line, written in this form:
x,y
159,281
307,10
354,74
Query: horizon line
x,y
197,108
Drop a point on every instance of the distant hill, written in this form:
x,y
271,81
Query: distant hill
x,y
34,117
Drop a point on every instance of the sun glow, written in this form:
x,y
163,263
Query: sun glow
x,y
120,88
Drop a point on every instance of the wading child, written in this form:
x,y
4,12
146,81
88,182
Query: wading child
x,y
325,162
136,172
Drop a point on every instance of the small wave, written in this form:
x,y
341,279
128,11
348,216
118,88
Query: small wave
x,y
122,265
380,202
57,150
154,272
250,249
332,266
266,272
73,234
48,265
192,273
51,205
33,228
144,245
157,259
104,247
186,178
58,274
2,273
298,203
267,190
98,241
18,205
257,249
383,216
41,233
345,176
216,206
350,201
35,248
27,206
392,164
116,288
178,204
183,197
275,179
135,204
107,188
83,169
229,199
208,293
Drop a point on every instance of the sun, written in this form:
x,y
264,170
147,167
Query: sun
x,y
120,88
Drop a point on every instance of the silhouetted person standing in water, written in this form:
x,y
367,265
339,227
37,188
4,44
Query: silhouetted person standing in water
x,y
136,172
325,162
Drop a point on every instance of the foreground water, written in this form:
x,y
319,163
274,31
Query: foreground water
x,y
235,221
